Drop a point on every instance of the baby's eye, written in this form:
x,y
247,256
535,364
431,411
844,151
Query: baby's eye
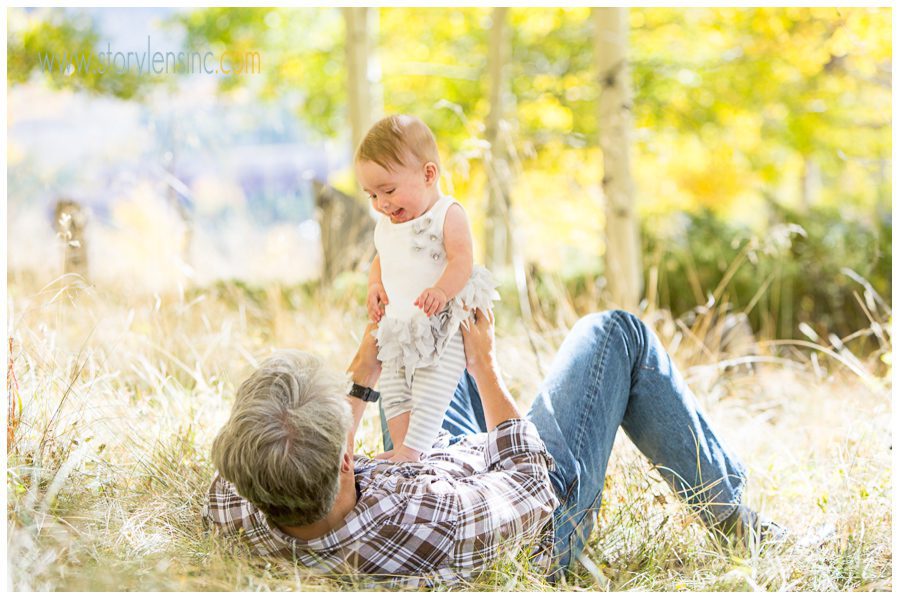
x,y
390,191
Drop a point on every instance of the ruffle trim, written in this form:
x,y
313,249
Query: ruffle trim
x,y
420,342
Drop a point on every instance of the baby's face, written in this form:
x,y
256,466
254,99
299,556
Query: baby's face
x,y
401,193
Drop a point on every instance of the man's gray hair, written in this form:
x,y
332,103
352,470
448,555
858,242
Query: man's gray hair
x,y
283,443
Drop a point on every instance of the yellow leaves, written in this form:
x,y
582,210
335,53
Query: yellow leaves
x,y
536,22
546,113
712,178
544,82
636,18
556,213
810,61
291,68
744,130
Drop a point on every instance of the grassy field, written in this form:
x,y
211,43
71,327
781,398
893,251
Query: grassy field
x,y
116,400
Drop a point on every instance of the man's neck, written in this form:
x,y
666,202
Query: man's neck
x,y
343,505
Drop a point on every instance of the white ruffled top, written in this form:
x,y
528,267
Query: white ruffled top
x,y
412,259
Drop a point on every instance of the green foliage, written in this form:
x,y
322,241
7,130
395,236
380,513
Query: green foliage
x,y
763,86
732,107
59,35
301,53
792,274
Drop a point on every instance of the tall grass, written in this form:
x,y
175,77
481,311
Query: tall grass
x,y
117,398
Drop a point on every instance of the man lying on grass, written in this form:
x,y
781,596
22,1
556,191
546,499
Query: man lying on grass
x,y
287,480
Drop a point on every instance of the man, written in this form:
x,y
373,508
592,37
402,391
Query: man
x,y
288,482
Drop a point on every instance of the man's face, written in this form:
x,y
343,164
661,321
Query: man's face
x,y
399,193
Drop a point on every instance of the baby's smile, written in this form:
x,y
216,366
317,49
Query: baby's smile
x,y
398,215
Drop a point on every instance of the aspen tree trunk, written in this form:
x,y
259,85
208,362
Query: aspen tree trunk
x,y
358,93
498,240
339,232
623,262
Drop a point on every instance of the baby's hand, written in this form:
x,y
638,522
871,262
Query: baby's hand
x,y
432,300
404,454
377,297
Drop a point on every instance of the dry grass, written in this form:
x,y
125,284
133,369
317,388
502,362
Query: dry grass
x,y
118,399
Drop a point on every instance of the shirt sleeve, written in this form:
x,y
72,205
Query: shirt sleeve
x,y
514,444
510,506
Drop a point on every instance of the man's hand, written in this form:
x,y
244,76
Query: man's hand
x,y
478,342
432,300
481,362
376,301
365,368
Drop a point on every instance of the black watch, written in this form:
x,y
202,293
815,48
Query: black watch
x,y
364,393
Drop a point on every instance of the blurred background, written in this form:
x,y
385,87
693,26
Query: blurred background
x,y
747,152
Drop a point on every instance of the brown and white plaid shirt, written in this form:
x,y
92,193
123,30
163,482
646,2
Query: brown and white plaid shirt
x,y
443,519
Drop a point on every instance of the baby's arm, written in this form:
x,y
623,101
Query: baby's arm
x,y
375,270
458,245
377,294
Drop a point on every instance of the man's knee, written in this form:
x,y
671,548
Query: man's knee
x,y
619,324
605,319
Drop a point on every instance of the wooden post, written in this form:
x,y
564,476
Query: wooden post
x,y
346,229
71,221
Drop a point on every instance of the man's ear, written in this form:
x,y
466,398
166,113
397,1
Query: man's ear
x,y
346,462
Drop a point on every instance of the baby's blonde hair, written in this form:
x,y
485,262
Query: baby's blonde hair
x,y
393,140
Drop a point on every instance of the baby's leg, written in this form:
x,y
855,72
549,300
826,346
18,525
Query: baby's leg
x,y
432,391
397,427
396,400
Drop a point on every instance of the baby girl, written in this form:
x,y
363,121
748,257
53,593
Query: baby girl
x,y
422,283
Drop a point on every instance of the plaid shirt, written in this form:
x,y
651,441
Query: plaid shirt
x,y
443,519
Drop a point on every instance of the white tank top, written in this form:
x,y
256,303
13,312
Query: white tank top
x,y
412,258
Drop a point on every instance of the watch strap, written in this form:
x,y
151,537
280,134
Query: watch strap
x,y
365,393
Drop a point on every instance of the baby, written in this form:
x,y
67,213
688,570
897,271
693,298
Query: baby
x,y
422,283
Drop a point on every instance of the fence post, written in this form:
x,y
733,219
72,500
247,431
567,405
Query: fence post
x,y
71,220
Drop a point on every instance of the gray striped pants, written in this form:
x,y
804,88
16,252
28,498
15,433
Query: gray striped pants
x,y
427,398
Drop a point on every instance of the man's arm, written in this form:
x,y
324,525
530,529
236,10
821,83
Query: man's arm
x,y
481,362
364,370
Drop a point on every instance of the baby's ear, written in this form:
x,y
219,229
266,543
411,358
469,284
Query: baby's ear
x,y
431,172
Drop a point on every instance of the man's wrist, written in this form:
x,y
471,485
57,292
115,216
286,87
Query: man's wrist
x,y
363,376
484,371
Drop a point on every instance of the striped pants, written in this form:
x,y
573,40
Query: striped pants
x,y
427,398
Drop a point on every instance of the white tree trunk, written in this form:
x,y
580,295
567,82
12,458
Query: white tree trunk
x,y
498,227
623,263
359,70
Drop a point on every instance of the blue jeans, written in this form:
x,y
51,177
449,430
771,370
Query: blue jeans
x,y
613,371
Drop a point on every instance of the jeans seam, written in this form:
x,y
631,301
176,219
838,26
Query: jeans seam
x,y
595,368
